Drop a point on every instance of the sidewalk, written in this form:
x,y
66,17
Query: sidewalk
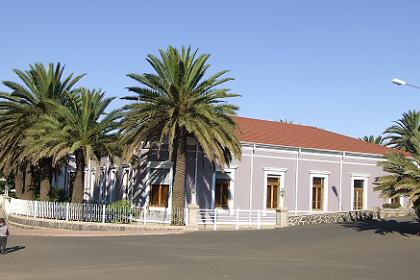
x,y
73,233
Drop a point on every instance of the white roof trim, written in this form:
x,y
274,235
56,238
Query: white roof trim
x,y
307,149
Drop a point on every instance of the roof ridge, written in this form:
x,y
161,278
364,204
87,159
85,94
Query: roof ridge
x,y
278,122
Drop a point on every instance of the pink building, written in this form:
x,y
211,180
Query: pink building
x,y
303,168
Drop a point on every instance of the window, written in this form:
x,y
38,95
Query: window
x,y
159,181
159,195
273,187
222,193
396,201
358,194
318,193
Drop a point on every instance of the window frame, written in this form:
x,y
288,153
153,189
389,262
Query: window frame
x,y
159,195
159,165
403,201
365,193
324,175
231,200
229,182
274,172
272,200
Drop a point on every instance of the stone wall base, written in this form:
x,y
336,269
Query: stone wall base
x,y
334,218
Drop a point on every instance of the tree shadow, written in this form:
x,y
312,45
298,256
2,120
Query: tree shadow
x,y
13,249
406,226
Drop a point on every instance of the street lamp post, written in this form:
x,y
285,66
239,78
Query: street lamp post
x,y
399,82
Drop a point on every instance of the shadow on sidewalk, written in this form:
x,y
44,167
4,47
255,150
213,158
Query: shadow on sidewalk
x,y
405,226
14,249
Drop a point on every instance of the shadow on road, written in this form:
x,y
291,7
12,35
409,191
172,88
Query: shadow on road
x,y
14,249
406,226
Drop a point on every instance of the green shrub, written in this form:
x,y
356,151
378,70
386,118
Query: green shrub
x,y
120,204
58,195
124,207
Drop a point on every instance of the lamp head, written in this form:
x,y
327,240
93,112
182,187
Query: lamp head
x,y
399,82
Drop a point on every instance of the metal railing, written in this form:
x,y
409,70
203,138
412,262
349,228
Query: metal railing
x,y
236,217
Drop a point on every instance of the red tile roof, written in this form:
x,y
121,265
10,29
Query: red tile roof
x,y
301,136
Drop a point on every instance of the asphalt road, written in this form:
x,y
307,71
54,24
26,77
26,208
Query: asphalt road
x,y
377,250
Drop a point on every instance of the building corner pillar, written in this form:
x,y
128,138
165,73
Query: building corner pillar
x,y
192,215
282,217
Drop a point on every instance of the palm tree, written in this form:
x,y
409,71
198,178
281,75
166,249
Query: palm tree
x,y
379,140
80,128
403,178
177,102
400,134
10,158
288,121
23,106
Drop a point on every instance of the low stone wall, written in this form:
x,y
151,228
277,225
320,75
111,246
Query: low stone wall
x,y
396,212
87,226
333,218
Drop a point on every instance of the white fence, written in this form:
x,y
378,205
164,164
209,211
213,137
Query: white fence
x,y
213,218
155,215
107,214
87,212
237,218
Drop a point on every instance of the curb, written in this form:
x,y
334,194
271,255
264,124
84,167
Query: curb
x,y
36,223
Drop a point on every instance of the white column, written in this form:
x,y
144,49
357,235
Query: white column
x,y
92,173
297,180
194,188
213,189
340,196
112,182
251,178
125,186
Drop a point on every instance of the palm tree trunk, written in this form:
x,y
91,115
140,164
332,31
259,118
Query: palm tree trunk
x,y
28,191
45,166
178,190
79,179
19,182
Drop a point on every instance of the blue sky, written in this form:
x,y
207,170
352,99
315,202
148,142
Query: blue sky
x,y
323,63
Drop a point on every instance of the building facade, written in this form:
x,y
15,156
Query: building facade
x,y
302,168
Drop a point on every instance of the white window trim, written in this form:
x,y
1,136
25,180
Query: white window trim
x,y
365,192
319,174
231,201
159,165
274,169
276,172
360,175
